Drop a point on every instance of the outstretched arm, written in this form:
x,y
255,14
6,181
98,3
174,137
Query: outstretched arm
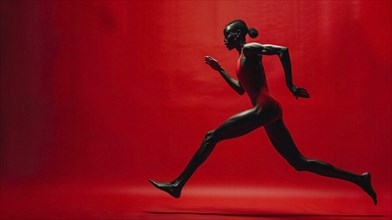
x,y
283,53
226,76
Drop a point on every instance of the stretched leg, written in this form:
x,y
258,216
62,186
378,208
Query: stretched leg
x,y
284,144
236,126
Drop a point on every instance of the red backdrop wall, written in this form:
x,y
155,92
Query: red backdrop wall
x,y
118,92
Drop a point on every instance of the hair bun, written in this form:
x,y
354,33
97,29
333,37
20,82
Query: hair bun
x,y
253,33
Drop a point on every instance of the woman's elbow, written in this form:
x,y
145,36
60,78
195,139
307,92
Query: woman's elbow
x,y
283,51
241,91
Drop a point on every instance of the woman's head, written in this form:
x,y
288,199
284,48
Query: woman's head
x,y
235,33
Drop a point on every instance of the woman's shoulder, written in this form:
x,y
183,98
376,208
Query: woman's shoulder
x,y
253,48
253,45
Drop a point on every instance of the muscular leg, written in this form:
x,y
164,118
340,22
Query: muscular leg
x,y
236,126
284,144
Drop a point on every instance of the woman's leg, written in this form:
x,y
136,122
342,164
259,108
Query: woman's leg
x,y
236,126
284,144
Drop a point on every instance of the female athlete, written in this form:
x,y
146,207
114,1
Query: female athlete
x,y
266,112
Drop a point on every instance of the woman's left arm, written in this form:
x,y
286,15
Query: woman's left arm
x,y
283,53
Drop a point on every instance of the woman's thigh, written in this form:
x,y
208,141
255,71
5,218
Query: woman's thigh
x,y
239,124
282,141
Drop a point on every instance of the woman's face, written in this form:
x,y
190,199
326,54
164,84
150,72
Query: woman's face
x,y
231,37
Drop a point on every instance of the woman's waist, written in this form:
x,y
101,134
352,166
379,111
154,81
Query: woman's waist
x,y
257,92
262,97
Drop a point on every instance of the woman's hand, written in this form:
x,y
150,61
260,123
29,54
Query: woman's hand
x,y
212,63
299,92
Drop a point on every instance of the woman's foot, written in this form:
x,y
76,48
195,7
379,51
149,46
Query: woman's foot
x,y
173,189
365,183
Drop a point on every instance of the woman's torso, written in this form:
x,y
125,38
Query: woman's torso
x,y
251,75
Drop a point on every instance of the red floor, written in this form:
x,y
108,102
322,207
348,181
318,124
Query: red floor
x,y
114,202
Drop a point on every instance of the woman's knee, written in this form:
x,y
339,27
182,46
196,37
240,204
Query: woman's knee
x,y
211,137
299,164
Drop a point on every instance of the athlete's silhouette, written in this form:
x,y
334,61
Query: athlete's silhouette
x,y
266,112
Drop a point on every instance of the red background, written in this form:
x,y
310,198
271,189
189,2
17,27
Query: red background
x,y
115,92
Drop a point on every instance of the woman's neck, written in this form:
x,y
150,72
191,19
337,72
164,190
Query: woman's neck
x,y
240,46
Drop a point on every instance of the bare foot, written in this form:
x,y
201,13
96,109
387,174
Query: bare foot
x,y
365,183
170,188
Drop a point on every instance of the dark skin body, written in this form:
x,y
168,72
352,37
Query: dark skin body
x,y
265,113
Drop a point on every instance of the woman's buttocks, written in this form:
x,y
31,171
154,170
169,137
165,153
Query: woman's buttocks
x,y
269,109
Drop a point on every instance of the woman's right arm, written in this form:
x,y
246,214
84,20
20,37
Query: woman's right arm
x,y
235,84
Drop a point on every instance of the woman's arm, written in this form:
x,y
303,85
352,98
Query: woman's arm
x,y
283,53
226,76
